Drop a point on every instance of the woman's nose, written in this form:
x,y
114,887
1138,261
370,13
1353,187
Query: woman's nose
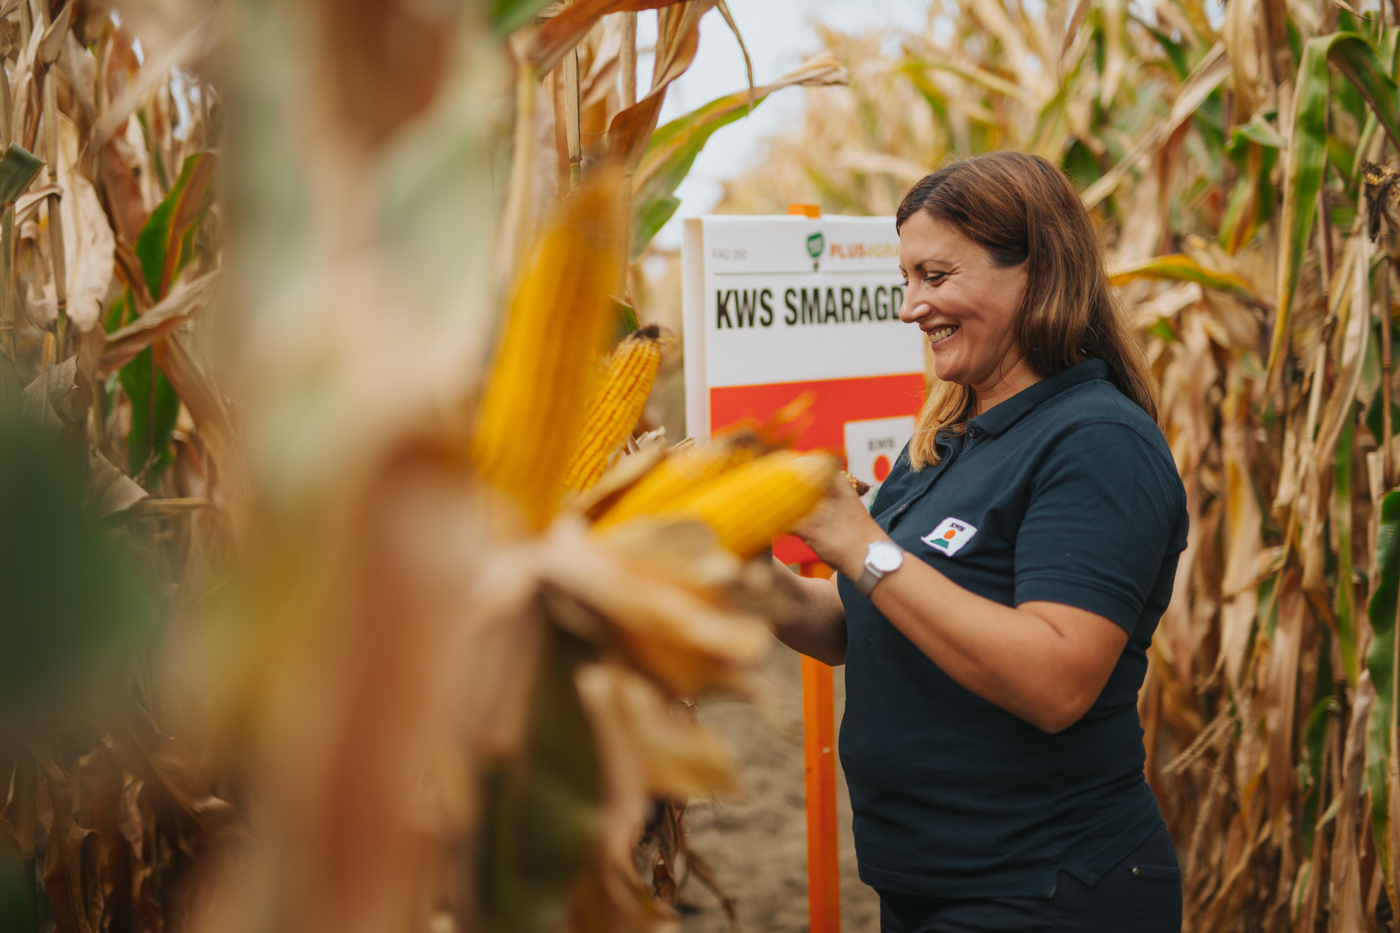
x,y
912,309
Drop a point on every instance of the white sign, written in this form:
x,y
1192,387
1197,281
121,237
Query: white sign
x,y
786,299
872,448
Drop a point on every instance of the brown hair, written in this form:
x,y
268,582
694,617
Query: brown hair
x,y
1020,208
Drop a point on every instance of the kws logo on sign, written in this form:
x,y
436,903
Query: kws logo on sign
x,y
873,446
950,536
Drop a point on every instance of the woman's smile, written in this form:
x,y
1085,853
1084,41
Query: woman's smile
x,y
935,337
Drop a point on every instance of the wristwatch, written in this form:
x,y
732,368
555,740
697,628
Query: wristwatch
x,y
881,558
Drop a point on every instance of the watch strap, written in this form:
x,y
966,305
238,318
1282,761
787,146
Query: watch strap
x,y
865,583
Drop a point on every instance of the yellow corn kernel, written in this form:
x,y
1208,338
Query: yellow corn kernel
x,y
557,329
680,474
747,506
615,405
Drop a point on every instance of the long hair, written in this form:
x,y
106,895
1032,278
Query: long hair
x,y
1021,208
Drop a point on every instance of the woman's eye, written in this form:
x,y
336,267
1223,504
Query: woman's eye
x,y
933,278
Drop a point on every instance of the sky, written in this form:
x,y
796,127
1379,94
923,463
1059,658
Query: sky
x,y
779,35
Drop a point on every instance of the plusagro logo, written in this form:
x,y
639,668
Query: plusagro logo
x,y
815,244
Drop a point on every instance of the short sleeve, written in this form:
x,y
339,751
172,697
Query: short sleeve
x,y
1104,512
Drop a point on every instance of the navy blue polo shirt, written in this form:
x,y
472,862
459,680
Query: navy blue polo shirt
x,y
1064,492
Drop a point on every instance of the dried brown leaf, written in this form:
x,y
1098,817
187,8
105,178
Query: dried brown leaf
x,y
165,318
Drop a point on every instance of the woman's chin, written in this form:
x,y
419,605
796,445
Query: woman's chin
x,y
948,370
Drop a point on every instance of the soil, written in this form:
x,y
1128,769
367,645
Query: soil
x,y
757,844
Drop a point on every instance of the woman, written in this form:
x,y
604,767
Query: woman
x,y
994,607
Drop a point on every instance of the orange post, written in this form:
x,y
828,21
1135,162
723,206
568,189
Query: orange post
x,y
819,754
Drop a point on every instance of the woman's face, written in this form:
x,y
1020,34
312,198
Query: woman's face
x,y
963,302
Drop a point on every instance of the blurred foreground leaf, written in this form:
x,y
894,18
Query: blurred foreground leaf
x,y
66,590
545,808
15,913
509,15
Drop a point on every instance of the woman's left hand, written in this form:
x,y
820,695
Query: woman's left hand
x,y
839,529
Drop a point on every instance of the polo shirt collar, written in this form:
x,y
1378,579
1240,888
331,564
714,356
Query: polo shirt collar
x,y
1002,416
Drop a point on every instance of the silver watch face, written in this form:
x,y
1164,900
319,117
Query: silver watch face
x,y
884,556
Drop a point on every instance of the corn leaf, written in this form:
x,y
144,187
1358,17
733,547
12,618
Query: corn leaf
x,y
543,810
17,169
1357,59
1185,269
164,246
154,410
674,147
980,76
510,15
1259,131
1380,662
68,592
1199,85
15,913
564,31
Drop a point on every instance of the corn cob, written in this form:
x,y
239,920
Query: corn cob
x,y
747,506
558,326
681,474
615,405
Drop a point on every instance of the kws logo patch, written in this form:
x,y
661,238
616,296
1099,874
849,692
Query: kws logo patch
x,y
950,536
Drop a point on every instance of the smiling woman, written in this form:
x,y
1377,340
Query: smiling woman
x,y
991,739
1002,247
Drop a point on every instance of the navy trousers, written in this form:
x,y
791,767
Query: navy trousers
x,y
1141,894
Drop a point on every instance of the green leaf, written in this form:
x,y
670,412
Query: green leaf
x,y
1163,329
1356,58
673,147
69,595
542,810
154,410
629,319
1374,416
121,313
15,911
1080,165
933,97
17,169
163,245
1176,55
1184,268
1342,156
509,15
648,217
1380,662
1314,757
669,157
1258,130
